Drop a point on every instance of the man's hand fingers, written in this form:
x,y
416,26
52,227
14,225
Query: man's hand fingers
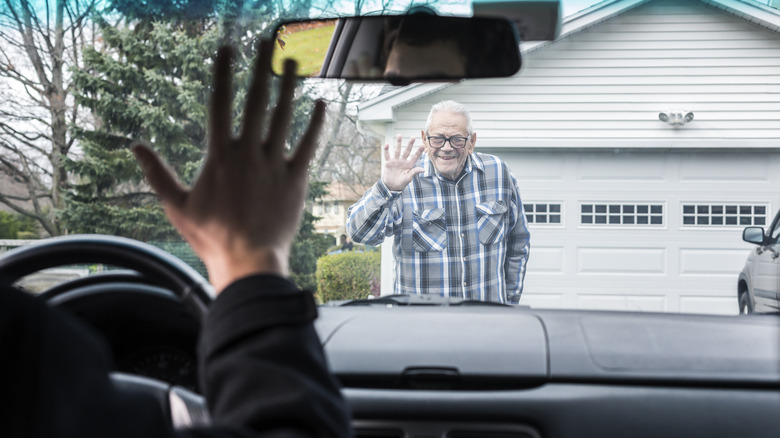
x,y
408,149
397,153
220,120
160,177
257,99
418,153
308,144
280,122
387,152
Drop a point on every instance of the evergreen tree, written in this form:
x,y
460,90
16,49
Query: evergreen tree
x,y
150,82
147,82
308,245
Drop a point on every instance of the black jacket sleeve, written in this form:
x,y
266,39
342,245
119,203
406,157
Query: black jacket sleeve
x,y
262,367
263,363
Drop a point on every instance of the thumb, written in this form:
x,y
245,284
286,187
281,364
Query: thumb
x,y
162,180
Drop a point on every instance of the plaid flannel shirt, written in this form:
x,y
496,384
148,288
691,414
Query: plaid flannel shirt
x,y
466,238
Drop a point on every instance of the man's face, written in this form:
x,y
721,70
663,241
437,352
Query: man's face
x,y
447,160
439,59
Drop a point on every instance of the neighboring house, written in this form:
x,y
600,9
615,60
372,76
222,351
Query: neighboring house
x,y
9,186
580,128
332,208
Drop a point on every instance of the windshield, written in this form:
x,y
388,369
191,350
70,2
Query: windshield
x,y
616,171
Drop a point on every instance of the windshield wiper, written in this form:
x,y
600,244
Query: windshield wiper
x,y
416,300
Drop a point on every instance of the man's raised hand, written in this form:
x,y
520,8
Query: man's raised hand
x,y
399,170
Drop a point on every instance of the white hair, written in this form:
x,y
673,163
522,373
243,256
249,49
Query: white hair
x,y
449,106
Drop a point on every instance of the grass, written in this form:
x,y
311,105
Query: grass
x,y
307,46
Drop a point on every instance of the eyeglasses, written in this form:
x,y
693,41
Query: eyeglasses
x,y
456,142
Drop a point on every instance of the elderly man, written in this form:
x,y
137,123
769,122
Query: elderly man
x,y
455,214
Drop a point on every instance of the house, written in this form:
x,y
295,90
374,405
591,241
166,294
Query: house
x,y
614,195
332,208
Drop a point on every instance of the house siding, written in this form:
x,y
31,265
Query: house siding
x,y
606,85
580,124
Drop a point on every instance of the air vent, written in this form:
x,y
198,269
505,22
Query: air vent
x,y
488,434
448,429
379,433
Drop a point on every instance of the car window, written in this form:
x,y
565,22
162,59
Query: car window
x,y
632,150
775,234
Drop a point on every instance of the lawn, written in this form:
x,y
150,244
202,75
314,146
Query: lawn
x,y
306,43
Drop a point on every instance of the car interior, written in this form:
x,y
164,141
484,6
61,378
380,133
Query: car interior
x,y
428,366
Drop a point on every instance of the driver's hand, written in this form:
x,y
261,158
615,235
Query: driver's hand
x,y
242,212
399,170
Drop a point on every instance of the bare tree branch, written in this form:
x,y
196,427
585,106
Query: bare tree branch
x,y
39,41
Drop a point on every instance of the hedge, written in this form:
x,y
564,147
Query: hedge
x,y
347,276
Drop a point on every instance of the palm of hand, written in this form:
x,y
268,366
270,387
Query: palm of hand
x,y
399,171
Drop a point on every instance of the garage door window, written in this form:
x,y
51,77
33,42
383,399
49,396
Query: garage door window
x,y
547,213
723,215
598,214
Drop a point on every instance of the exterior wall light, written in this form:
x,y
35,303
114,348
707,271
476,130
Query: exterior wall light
x,y
676,117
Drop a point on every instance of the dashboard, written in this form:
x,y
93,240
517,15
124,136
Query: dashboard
x,y
492,371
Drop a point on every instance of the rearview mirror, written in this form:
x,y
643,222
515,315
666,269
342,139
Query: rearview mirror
x,y
400,49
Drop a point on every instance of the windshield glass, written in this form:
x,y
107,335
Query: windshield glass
x,y
616,171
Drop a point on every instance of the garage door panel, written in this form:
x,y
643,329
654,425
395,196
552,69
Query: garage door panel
x,y
643,303
543,301
711,262
713,305
633,261
630,167
723,170
547,260
537,167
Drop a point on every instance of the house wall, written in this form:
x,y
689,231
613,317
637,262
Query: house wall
x,y
580,124
605,86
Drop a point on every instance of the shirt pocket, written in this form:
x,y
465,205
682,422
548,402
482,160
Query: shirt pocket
x,y
429,230
491,222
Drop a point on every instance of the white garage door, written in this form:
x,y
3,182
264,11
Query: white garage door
x,y
649,231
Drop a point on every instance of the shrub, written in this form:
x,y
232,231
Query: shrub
x,y
14,226
348,275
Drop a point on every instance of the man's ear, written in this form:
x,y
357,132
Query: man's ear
x,y
424,140
473,141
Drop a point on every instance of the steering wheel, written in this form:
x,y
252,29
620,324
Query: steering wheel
x,y
162,268
154,267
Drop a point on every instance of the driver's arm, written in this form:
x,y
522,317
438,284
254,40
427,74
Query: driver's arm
x,y
262,368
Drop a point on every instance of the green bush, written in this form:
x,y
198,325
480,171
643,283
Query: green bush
x,y
348,275
14,226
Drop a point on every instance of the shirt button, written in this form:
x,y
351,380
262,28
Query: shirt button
x,y
464,259
464,284
462,234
